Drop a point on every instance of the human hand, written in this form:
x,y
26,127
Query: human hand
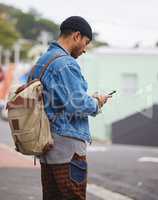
x,y
48,147
102,99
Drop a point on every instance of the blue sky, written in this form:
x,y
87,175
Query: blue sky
x,y
119,22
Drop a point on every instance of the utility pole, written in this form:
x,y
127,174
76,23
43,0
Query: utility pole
x,y
1,55
17,48
44,38
7,55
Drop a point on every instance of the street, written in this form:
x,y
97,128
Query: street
x,y
126,169
116,172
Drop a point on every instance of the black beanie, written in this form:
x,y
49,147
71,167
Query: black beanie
x,y
77,23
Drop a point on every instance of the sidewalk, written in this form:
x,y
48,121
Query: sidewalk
x,y
20,179
11,158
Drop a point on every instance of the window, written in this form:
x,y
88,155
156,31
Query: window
x,y
129,83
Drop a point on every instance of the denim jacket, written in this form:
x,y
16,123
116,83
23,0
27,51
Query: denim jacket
x,y
67,103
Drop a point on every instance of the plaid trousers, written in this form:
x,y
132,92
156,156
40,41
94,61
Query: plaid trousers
x,y
66,181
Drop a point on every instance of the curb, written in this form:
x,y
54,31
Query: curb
x,y
11,158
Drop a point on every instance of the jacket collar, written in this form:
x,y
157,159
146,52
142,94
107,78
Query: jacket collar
x,y
59,46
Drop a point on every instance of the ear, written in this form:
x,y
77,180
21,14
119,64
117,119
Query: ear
x,y
76,36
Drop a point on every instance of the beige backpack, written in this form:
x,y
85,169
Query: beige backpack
x,y
28,121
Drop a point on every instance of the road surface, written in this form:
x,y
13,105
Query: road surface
x,y
116,172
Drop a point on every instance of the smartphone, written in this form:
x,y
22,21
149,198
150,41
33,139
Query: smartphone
x,y
113,92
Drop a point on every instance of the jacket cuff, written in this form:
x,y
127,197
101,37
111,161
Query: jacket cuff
x,y
99,110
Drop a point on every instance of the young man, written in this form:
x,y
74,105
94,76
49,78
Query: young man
x,y
64,167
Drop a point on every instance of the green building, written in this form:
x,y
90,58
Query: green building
x,y
132,72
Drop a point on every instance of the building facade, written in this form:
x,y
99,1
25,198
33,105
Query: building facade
x,y
132,73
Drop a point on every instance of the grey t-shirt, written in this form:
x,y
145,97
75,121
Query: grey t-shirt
x,y
64,149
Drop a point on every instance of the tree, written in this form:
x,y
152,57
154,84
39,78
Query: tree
x,y
25,25
47,25
31,24
8,33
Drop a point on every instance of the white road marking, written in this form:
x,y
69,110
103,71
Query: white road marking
x,y
89,148
3,188
96,148
31,197
148,159
105,194
139,184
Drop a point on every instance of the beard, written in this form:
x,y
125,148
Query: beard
x,y
75,52
74,55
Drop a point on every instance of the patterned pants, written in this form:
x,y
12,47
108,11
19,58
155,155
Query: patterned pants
x,y
65,181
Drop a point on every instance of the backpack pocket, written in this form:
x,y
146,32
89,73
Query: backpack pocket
x,y
25,136
23,120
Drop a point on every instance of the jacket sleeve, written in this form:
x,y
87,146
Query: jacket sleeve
x,y
72,91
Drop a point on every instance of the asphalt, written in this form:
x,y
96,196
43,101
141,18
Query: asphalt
x,y
20,179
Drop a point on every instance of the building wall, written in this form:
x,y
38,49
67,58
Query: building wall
x,y
106,72
137,129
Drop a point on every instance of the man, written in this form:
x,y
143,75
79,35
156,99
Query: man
x,y
67,104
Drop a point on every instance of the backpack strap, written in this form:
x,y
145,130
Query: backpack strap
x,y
44,68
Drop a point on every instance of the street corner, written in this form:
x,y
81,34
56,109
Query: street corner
x,y
11,158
